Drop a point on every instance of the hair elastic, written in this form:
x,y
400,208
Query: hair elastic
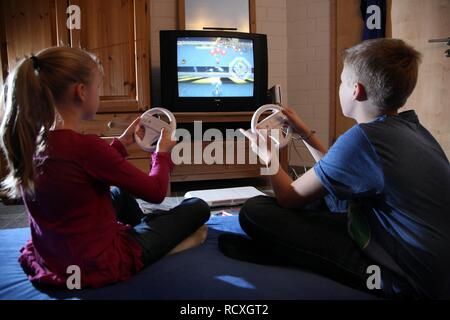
x,y
36,65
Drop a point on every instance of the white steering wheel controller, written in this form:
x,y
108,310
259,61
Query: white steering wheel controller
x,y
153,126
276,121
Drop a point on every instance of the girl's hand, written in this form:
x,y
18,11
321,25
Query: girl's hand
x,y
295,121
127,137
165,142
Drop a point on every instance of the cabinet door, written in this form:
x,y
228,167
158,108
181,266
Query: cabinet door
x,y
28,26
117,32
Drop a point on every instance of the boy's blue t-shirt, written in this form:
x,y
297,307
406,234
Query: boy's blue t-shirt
x,y
397,180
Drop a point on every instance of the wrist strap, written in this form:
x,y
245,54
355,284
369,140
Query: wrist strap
x,y
309,135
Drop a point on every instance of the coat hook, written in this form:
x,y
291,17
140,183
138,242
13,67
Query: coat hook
x,y
447,40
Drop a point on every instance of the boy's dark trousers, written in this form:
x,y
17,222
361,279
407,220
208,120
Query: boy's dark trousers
x,y
316,239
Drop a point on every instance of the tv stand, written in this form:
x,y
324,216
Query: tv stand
x,y
197,172
188,117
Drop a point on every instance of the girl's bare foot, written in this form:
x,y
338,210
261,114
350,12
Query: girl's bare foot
x,y
195,239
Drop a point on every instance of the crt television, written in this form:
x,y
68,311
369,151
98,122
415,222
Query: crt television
x,y
213,71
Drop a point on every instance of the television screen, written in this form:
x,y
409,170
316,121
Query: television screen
x,y
213,71
215,67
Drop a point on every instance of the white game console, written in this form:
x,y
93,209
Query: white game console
x,y
225,197
275,93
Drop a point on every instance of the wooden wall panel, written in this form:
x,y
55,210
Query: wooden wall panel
x,y
107,29
30,26
348,30
143,58
117,32
416,22
26,27
3,49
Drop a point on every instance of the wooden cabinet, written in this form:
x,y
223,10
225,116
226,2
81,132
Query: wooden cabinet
x,y
27,27
108,125
195,172
117,31
417,22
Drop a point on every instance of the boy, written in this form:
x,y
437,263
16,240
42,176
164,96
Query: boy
x,y
386,183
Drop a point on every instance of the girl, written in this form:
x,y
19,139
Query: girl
x,y
64,178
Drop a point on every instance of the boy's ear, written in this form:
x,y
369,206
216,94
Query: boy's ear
x,y
359,92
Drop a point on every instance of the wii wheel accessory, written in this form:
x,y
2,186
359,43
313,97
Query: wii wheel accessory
x,y
276,121
153,125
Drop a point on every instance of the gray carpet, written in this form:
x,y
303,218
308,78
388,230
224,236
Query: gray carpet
x,y
12,217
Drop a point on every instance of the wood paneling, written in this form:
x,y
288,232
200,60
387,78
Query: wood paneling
x,y
416,22
193,172
113,125
186,117
29,27
108,125
348,31
252,15
221,170
142,43
333,73
25,27
107,29
117,32
3,48
181,10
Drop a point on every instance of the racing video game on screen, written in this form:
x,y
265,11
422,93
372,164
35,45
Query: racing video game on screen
x,y
215,67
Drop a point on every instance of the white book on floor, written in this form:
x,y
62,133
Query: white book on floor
x,y
225,197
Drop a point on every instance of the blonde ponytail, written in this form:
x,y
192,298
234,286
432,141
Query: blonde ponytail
x,y
28,109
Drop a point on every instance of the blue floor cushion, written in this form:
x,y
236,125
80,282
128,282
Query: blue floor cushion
x,y
199,273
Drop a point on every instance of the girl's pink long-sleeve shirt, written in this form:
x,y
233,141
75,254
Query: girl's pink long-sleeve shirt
x,y
72,219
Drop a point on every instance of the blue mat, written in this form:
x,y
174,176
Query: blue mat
x,y
200,273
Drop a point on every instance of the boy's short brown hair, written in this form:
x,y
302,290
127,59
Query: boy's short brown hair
x,y
387,68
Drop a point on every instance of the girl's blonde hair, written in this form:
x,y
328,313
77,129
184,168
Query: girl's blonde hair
x,y
28,112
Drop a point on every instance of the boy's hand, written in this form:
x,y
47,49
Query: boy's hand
x,y
295,121
261,146
127,137
165,142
